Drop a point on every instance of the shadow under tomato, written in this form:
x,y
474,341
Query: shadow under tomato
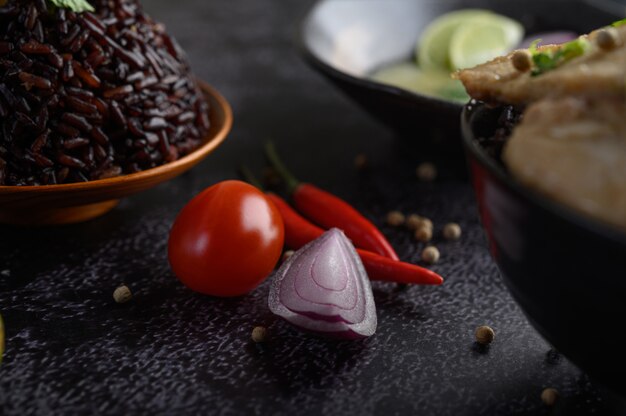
x,y
56,245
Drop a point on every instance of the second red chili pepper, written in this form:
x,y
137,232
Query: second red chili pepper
x,y
299,232
329,211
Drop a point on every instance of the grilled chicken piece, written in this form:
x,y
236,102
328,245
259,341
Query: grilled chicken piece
x,y
594,74
574,150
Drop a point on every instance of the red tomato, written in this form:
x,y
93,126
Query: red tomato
x,y
226,240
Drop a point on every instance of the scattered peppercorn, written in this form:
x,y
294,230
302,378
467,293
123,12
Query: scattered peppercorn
x,y
427,223
549,396
484,335
424,234
426,172
522,60
430,255
360,161
607,38
122,294
395,218
287,255
452,231
259,334
413,222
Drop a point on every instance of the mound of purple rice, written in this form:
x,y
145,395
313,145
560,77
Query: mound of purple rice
x,y
86,96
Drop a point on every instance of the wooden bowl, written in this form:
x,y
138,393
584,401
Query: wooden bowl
x,y
77,202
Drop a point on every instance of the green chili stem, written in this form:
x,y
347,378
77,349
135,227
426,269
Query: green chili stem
x,y
272,156
249,177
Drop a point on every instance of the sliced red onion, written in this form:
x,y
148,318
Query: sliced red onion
x,y
324,288
548,38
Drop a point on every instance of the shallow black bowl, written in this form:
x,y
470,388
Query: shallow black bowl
x,y
566,271
346,40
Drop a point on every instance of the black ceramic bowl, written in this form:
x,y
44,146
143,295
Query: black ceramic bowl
x,y
347,40
566,271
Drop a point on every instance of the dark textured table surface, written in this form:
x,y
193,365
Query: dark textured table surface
x,y
72,350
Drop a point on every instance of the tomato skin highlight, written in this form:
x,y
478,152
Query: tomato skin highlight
x,y
226,240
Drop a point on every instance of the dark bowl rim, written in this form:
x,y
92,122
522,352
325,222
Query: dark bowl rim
x,y
369,84
609,6
475,151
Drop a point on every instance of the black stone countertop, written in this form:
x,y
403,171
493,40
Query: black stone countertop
x,y
72,350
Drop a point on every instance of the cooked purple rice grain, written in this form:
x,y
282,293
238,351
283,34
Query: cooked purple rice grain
x,y
118,92
70,161
99,152
56,60
155,124
99,136
70,37
34,47
508,118
68,71
29,81
79,92
75,143
86,75
186,117
116,114
79,105
43,161
92,95
134,126
152,139
40,142
38,32
67,131
96,58
79,41
77,121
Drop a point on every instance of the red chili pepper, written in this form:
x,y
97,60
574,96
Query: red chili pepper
x,y
299,231
329,211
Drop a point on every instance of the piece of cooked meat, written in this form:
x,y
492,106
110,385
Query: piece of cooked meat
x,y
594,74
574,150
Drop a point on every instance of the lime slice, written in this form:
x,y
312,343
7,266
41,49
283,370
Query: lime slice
x,y
432,83
408,76
433,46
480,40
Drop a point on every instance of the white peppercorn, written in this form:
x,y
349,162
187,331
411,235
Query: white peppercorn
x,y
122,294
